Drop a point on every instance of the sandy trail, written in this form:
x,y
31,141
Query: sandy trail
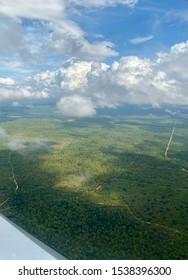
x,y
169,142
13,178
144,221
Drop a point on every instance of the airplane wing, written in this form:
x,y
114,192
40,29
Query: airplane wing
x,y
17,244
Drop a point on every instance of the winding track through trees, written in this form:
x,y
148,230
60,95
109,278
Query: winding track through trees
x,y
13,178
140,219
144,221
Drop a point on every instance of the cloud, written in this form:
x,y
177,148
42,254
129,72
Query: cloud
x,y
15,104
11,35
50,10
71,77
6,82
2,132
74,77
102,3
33,9
131,80
16,144
23,146
67,37
175,63
170,112
19,92
174,15
19,44
76,106
58,33
83,86
140,40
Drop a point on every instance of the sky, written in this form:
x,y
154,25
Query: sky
x,y
87,55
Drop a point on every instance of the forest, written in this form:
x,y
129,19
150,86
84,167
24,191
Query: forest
x,y
98,187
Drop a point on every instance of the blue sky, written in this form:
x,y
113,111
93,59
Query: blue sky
x,y
161,19
61,37
161,23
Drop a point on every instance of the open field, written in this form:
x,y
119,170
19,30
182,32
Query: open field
x,y
99,187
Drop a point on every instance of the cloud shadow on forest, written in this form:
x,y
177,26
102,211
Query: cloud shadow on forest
x,y
73,226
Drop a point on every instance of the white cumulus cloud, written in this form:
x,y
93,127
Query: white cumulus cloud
x,y
74,77
19,92
76,106
131,80
7,81
83,86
